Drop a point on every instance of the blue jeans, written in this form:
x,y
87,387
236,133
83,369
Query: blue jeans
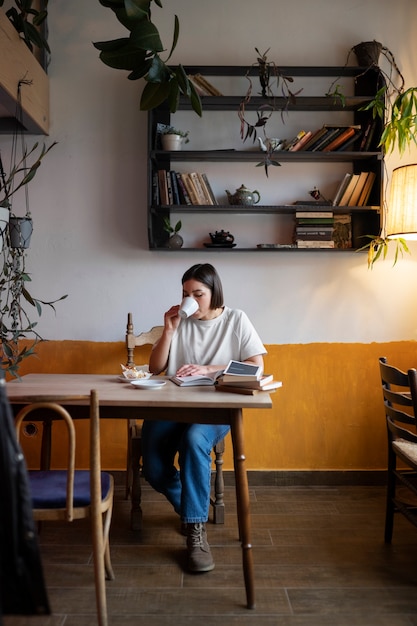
x,y
187,489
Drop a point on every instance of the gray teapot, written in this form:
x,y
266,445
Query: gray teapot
x,y
243,197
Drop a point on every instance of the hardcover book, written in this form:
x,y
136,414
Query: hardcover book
x,y
243,371
354,198
194,381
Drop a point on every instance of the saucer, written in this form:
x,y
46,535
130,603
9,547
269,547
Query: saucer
x,y
220,245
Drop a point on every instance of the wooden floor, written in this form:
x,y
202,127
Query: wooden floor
x,y
319,554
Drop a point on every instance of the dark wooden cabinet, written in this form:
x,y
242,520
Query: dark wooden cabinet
x,y
360,91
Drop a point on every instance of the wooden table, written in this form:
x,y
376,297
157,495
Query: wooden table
x,y
201,405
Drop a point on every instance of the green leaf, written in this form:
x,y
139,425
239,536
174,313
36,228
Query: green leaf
x,y
159,71
145,36
175,38
126,57
153,95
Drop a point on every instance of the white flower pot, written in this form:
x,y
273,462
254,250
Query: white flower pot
x,y
171,142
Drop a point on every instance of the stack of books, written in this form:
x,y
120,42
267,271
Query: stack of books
x,y
328,138
314,229
175,188
245,378
354,189
247,385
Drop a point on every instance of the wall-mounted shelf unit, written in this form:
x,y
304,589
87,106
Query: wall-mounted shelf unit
x,y
18,63
365,220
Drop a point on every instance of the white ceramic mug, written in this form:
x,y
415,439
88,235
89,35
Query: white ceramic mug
x,y
187,307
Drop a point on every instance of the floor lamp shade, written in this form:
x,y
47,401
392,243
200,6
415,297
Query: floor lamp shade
x,y
402,206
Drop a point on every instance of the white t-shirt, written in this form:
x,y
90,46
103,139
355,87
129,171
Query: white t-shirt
x,y
231,335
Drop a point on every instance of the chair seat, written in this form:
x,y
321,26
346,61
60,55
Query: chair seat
x,y
407,449
49,488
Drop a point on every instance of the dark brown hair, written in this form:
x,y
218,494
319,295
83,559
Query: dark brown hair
x,y
206,274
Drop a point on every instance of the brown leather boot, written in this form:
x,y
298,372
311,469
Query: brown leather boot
x,y
198,549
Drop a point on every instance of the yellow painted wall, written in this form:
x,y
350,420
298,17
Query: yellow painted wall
x,y
327,416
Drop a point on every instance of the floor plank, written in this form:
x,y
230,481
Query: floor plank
x,y
319,556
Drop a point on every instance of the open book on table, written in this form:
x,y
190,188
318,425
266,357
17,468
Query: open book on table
x,y
195,381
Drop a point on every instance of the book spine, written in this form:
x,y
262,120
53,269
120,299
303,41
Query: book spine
x,y
163,188
207,196
363,199
349,190
184,197
301,143
295,140
315,244
169,189
353,200
340,140
371,136
316,139
201,198
174,186
341,189
209,189
203,82
342,231
314,214
326,139
190,188
155,189
199,89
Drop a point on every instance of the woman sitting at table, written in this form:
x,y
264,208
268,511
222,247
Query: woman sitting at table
x,y
201,344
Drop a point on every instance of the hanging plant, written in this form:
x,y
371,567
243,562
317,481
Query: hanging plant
x,y
393,104
270,78
139,54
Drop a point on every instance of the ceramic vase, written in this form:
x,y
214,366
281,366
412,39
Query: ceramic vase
x,y
175,242
171,142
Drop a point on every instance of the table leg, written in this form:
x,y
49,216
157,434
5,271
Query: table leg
x,y
242,500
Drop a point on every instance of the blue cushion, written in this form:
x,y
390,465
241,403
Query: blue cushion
x,y
48,488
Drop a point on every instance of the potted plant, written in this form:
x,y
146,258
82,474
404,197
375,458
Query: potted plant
x,y
172,138
175,240
396,106
20,174
139,54
393,104
16,302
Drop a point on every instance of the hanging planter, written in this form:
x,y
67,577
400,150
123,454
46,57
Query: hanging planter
x,y
4,223
367,53
20,231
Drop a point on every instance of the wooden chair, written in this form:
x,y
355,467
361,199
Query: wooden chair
x,y
72,494
400,402
134,447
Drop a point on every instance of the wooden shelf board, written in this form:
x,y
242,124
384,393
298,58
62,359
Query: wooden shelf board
x,y
18,63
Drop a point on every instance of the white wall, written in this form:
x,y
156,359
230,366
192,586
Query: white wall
x,y
89,198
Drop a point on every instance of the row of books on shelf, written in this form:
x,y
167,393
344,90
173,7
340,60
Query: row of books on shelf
x,y
175,188
333,138
323,229
354,189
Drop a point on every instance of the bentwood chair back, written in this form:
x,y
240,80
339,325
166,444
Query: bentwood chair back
x,y
69,494
400,403
134,448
